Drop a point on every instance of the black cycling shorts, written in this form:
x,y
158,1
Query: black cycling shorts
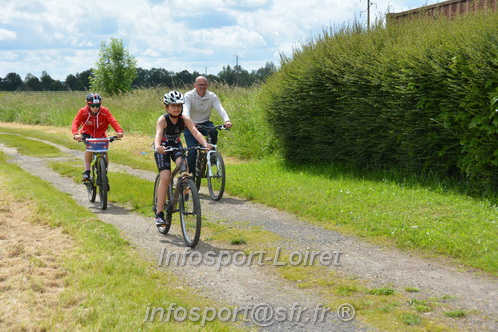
x,y
163,160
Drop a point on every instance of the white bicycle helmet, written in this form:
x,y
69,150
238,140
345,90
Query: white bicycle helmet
x,y
173,97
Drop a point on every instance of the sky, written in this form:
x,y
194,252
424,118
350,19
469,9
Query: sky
x,y
63,37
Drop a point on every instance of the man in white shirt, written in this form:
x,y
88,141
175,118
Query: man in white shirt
x,y
198,105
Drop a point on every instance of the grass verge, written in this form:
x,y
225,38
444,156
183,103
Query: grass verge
x,y
298,191
108,286
381,307
407,214
385,209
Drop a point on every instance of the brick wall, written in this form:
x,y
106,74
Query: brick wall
x,y
449,8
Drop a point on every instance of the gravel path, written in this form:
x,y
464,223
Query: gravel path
x,y
253,285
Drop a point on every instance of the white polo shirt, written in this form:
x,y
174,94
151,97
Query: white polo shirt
x,y
199,108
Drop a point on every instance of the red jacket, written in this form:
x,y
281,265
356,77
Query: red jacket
x,y
94,125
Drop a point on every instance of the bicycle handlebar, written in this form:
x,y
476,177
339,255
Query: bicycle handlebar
x,y
218,127
196,147
111,139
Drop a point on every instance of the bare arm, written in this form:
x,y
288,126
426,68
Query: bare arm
x,y
160,126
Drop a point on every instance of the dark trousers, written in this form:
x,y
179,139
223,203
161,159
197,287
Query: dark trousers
x,y
191,141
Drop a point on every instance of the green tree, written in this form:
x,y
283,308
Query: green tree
x,y
228,75
264,72
160,76
12,82
73,83
184,78
32,83
84,77
46,81
116,69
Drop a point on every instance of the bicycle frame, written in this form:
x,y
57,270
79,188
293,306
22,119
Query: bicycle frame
x,y
213,171
181,197
202,162
172,195
98,170
93,166
183,168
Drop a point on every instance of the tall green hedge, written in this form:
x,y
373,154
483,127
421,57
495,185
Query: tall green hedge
x,y
421,95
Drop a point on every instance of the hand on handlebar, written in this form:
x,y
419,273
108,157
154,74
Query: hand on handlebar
x,y
208,146
78,138
162,149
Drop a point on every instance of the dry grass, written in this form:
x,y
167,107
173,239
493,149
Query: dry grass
x,y
45,129
31,276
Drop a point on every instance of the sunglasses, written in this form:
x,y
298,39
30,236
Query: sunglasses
x,y
94,105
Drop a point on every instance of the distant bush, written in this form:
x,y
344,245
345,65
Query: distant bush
x,y
420,96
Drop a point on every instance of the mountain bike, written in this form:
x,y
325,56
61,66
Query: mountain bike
x,y
98,173
181,197
210,165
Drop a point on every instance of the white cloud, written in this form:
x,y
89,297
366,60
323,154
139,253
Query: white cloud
x,y
63,37
7,35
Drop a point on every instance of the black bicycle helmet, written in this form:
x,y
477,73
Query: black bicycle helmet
x,y
93,98
173,97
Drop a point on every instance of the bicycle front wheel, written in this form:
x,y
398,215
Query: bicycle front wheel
x,y
165,228
91,190
103,183
190,212
216,178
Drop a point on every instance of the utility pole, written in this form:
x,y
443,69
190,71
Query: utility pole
x,y
369,4
368,14
236,70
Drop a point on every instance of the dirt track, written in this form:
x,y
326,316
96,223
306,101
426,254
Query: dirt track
x,y
254,285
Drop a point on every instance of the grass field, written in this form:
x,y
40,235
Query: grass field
x,y
429,215
109,286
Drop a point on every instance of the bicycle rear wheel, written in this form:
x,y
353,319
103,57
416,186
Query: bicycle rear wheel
x,y
190,212
103,183
216,178
162,229
91,190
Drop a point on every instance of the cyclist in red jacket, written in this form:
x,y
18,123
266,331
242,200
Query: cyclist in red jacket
x,y
94,120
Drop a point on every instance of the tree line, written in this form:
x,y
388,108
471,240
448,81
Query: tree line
x,y
236,76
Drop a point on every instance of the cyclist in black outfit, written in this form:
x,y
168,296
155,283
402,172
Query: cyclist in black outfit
x,y
169,128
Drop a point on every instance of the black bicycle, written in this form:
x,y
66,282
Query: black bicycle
x,y
181,197
210,165
98,173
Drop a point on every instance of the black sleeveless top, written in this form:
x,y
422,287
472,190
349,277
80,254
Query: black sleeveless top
x,y
173,131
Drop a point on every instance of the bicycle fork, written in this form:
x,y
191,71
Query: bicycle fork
x,y
209,166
